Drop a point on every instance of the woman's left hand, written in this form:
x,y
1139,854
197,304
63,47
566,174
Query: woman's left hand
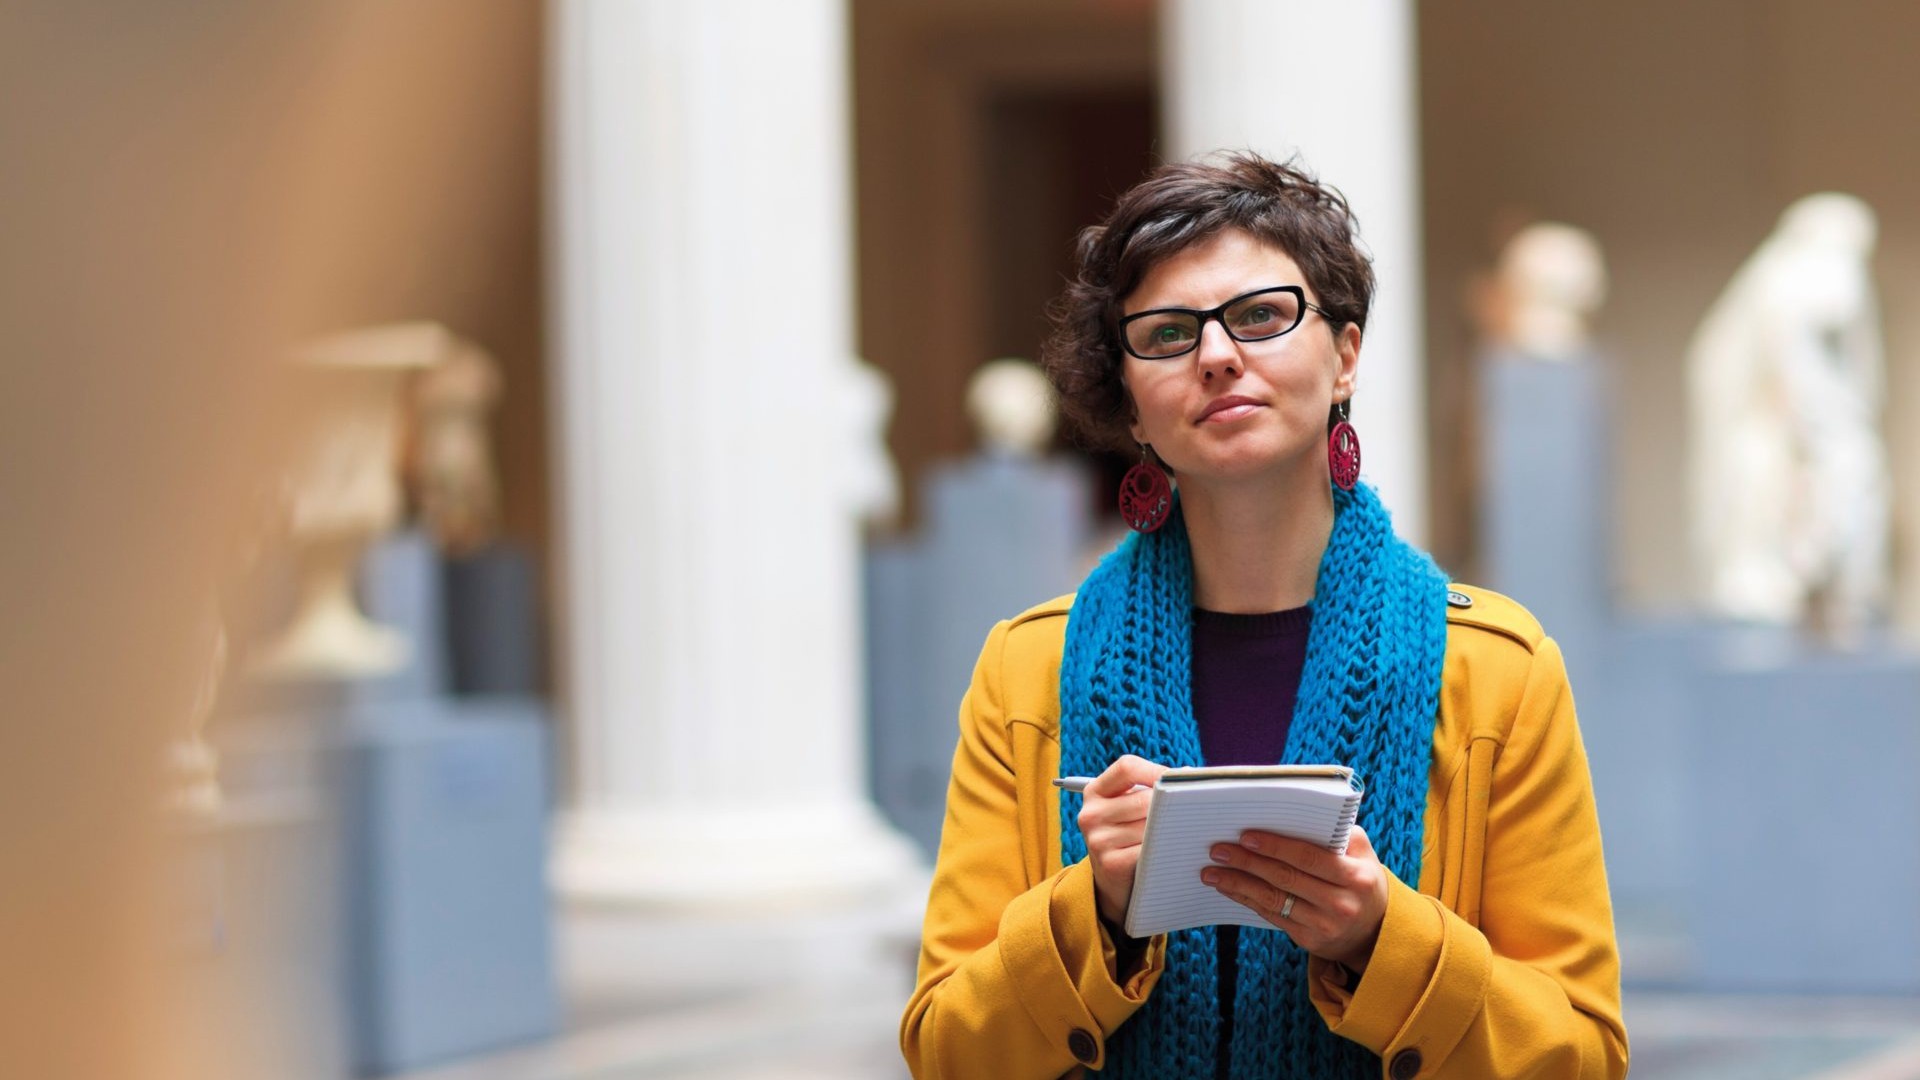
x,y
1337,901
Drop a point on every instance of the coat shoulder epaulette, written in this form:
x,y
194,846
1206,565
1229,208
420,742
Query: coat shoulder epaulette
x,y
1055,607
1469,605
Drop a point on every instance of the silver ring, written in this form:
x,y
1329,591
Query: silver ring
x,y
1286,909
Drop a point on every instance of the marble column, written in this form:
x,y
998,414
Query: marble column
x,y
704,388
1337,84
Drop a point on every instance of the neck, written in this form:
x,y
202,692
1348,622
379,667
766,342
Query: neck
x,y
1257,544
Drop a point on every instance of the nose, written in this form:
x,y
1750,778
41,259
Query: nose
x,y
1218,353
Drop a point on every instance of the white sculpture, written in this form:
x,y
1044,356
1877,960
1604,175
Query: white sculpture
x,y
193,762
1790,485
1550,280
345,490
1012,408
450,469
872,484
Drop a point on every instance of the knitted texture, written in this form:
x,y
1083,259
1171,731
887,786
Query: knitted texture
x,y
1368,698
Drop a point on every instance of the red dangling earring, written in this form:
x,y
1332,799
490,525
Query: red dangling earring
x,y
1343,446
1146,498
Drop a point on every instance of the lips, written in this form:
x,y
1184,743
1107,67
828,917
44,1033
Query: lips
x,y
1231,407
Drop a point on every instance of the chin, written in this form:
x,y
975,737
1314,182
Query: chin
x,y
1242,465
1237,470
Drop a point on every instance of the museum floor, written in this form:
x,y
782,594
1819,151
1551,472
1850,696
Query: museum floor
x,y
816,995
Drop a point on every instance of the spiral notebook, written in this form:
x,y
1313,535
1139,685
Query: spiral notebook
x,y
1193,809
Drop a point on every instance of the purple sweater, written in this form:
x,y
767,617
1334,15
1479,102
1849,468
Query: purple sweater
x,y
1246,674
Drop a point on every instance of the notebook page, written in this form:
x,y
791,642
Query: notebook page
x,y
1185,820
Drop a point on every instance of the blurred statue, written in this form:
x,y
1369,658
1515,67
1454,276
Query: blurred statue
x,y
1537,433
451,467
866,402
1790,485
1011,407
344,490
194,765
1550,280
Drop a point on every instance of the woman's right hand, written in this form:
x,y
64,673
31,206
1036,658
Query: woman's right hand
x,y
1113,818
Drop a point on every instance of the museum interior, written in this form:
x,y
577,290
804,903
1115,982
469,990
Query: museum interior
x,y
505,498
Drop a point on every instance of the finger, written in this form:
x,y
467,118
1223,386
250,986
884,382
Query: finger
x,y
1263,898
1246,889
1359,845
1112,837
1121,776
1305,922
1303,855
1281,876
1118,808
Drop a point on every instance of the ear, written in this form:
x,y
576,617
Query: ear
x,y
1134,429
1347,351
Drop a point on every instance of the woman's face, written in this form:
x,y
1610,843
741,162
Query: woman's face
x,y
1276,392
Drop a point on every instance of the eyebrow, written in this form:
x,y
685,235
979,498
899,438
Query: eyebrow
x,y
1241,295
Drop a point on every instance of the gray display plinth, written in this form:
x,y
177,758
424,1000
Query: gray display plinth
x,y
258,921
1635,725
492,622
908,773
1545,497
400,587
444,813
1003,533
1804,809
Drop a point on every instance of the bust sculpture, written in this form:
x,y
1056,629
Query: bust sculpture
x,y
1789,475
1549,281
450,467
1011,407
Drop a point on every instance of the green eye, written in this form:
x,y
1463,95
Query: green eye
x,y
1167,335
1261,314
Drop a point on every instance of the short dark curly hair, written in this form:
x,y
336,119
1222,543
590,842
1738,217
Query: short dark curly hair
x,y
1176,206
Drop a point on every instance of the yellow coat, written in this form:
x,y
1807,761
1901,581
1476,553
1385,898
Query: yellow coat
x,y
1502,964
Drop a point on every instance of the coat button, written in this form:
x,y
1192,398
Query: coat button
x,y
1456,598
1406,1065
1085,1050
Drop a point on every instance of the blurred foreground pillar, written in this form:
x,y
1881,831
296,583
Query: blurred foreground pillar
x,y
710,628
1335,83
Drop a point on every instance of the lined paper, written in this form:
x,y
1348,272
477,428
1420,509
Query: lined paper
x,y
1188,816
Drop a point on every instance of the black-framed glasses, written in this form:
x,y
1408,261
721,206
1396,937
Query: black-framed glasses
x,y
1164,333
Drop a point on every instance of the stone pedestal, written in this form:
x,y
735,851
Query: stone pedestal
x,y
1545,502
1637,721
1003,533
400,587
1803,811
443,815
405,840
493,622
258,919
910,735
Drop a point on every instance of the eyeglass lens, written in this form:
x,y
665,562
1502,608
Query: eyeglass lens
x,y
1164,334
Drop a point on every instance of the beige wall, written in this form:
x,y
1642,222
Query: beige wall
x,y
979,146
436,106
1677,132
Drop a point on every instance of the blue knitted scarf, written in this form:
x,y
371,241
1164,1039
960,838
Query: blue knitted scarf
x,y
1368,698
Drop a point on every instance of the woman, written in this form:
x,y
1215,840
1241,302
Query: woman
x,y
1265,613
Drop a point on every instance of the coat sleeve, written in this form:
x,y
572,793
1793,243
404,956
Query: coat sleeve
x,y
1532,990
1017,977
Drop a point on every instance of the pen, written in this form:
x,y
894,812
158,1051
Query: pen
x,y
1079,784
